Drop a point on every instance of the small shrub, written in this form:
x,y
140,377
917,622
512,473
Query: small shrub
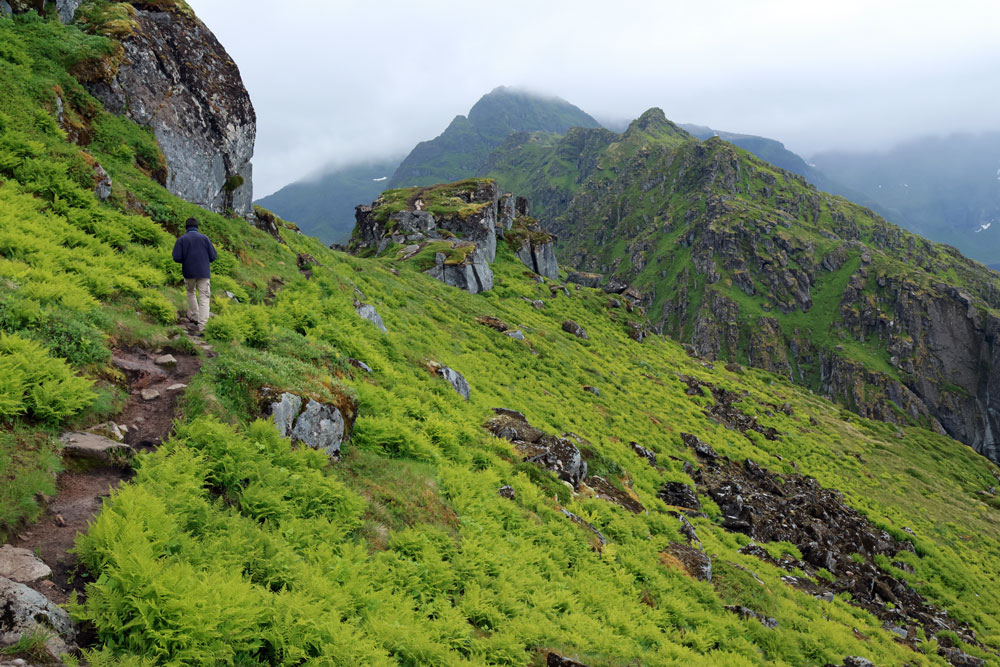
x,y
158,307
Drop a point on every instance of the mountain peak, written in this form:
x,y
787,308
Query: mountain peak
x,y
654,123
461,150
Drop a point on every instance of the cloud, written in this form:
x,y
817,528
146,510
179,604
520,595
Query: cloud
x,y
347,80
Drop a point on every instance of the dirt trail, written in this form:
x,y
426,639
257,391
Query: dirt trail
x,y
85,482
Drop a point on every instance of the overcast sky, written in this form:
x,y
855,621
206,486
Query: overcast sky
x,y
342,80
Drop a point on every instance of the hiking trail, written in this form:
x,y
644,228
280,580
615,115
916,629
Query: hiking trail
x,y
95,464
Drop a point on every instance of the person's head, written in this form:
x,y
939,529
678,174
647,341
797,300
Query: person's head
x,y
192,223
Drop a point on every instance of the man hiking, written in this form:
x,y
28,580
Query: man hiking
x,y
195,252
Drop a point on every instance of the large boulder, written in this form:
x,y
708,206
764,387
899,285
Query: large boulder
x,y
177,79
24,612
570,326
322,426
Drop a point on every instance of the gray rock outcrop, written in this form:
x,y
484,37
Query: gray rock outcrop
x,y
456,380
367,312
533,246
460,236
585,279
695,562
177,79
321,427
473,275
540,258
318,425
553,453
25,611
570,326
66,9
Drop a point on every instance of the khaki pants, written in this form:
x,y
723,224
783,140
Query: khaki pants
x,y
199,294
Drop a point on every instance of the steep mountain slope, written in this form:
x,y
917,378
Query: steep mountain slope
x,y
747,262
944,188
324,206
627,504
461,149
774,152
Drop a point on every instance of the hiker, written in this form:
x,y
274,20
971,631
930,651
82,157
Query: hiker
x,y
195,252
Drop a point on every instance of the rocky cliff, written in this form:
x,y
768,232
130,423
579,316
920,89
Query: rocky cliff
x,y
172,75
747,262
451,231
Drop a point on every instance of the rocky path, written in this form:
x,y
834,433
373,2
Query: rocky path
x,y
98,460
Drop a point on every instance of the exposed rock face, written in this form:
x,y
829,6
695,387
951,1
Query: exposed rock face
x,y
747,613
367,311
320,426
102,186
830,534
533,246
679,494
642,452
695,562
473,275
570,326
459,236
585,279
177,79
556,454
456,380
24,611
556,660
605,490
95,447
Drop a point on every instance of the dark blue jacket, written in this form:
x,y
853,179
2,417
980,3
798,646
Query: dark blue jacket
x,y
194,252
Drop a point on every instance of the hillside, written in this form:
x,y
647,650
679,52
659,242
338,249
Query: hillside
x,y
323,206
774,152
570,496
461,150
944,188
747,262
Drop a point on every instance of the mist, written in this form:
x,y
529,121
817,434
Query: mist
x,y
336,83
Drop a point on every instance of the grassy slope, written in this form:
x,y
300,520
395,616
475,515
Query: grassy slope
x,y
232,547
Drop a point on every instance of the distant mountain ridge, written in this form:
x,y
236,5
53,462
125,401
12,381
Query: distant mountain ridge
x,y
944,188
324,206
462,149
747,262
